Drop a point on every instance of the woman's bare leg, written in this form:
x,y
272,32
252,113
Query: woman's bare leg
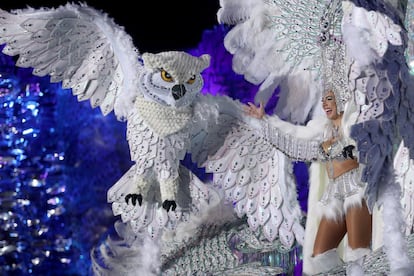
x,y
329,235
359,225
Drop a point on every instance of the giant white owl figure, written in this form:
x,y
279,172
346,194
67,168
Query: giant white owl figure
x,y
158,95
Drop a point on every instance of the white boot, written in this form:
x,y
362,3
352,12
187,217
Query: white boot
x,y
355,260
326,261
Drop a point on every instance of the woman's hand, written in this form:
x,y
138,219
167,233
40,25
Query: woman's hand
x,y
252,110
347,151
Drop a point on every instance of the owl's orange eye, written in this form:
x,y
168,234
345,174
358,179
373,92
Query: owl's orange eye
x,y
191,80
166,76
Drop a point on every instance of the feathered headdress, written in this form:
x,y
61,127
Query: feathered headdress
x,y
334,65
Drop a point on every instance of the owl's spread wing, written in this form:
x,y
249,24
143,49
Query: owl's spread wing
x,y
258,181
213,117
253,176
81,47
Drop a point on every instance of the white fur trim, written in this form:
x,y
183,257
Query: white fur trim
x,y
377,228
353,255
354,200
334,210
325,261
313,129
318,179
355,269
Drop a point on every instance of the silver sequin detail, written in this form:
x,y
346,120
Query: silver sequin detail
x,y
293,147
343,186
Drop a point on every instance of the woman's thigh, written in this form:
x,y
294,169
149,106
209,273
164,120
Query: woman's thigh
x,y
329,235
359,226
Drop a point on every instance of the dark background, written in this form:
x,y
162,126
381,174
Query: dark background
x,y
155,25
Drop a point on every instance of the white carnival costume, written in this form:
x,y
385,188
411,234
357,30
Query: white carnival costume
x,y
329,197
358,47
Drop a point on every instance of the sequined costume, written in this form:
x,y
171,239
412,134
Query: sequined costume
x,y
346,190
304,143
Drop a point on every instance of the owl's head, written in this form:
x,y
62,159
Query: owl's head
x,y
172,78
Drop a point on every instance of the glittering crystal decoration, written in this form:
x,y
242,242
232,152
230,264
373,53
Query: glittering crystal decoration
x,y
53,179
35,236
233,250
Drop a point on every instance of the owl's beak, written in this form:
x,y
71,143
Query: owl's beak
x,y
178,91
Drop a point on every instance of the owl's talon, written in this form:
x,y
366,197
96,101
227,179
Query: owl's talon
x,y
167,204
134,198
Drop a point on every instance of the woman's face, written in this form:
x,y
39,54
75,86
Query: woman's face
x,y
329,106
